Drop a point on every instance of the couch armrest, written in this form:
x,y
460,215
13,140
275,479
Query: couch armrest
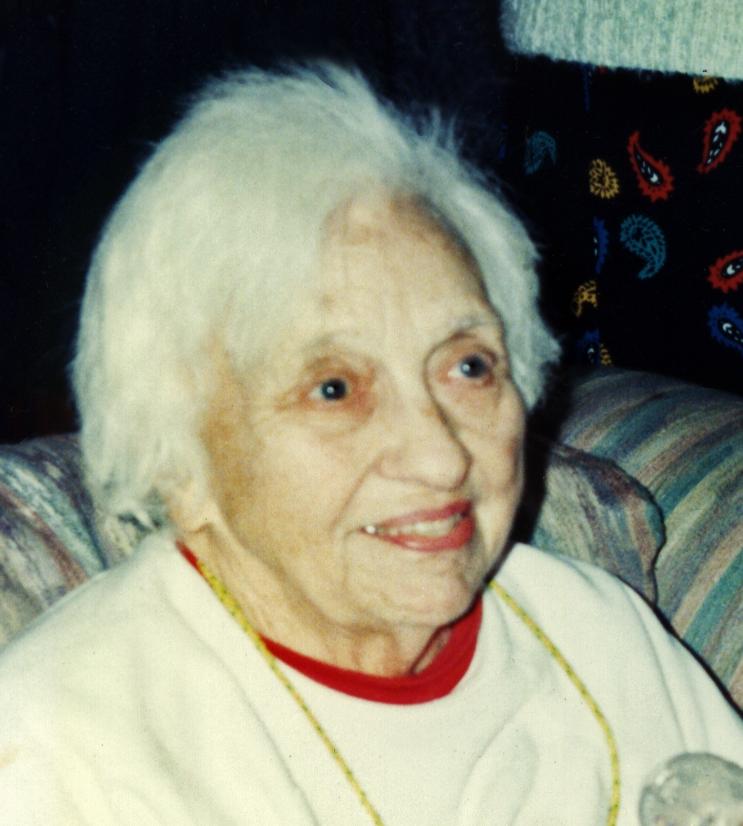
x,y
588,508
684,444
50,535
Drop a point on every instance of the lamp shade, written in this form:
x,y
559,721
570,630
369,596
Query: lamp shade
x,y
696,37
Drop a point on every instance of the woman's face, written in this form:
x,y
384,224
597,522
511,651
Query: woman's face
x,y
367,467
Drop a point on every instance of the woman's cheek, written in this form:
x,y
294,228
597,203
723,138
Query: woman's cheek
x,y
338,419
474,407
511,423
494,425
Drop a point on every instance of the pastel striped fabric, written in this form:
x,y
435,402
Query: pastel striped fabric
x,y
685,445
588,508
50,537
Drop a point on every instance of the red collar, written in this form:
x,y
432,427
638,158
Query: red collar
x,y
436,680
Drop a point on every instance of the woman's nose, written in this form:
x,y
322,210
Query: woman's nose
x,y
423,447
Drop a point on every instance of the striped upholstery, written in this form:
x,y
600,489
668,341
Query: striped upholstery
x,y
589,508
50,541
685,445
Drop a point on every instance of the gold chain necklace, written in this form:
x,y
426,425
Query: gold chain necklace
x,y
230,603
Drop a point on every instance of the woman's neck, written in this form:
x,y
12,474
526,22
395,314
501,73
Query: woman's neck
x,y
281,614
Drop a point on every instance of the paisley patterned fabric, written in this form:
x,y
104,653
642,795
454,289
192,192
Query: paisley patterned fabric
x,y
631,182
654,501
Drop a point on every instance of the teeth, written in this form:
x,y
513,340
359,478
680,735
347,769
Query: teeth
x,y
434,529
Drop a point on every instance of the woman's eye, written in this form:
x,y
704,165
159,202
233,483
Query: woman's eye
x,y
474,366
331,390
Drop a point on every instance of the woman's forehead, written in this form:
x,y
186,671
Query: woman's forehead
x,y
387,272
391,244
390,267
381,216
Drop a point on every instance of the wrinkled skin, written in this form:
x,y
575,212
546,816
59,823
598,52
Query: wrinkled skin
x,y
391,394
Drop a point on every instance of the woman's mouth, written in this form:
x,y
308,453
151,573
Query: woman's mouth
x,y
447,528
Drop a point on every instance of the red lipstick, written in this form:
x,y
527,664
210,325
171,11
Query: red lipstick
x,y
426,537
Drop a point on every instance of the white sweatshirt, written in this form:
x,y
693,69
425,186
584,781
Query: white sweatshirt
x,y
139,701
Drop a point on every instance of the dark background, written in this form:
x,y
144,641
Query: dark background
x,y
87,86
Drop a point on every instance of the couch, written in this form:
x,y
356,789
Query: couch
x,y
638,473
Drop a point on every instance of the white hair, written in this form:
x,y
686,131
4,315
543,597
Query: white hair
x,y
217,231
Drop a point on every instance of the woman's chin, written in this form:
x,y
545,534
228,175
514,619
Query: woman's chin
x,y
435,608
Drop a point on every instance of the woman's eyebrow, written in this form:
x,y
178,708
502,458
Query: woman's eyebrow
x,y
328,349
342,340
338,339
470,322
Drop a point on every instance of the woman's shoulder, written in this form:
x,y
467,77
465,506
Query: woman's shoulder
x,y
534,574
615,642
82,633
585,608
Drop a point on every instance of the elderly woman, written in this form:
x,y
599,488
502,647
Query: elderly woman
x,y
308,340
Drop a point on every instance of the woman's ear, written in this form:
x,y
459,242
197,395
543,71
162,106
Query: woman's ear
x,y
192,510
